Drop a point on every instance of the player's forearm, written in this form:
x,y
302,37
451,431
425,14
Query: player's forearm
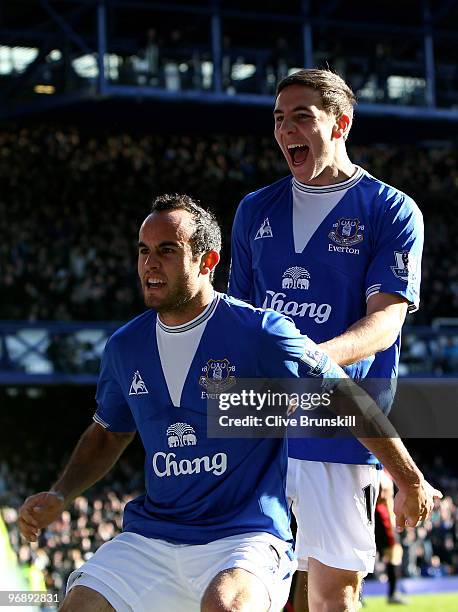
x,y
371,334
374,430
95,454
393,454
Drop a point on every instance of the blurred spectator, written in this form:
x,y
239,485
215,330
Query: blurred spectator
x,y
60,353
152,57
226,66
435,570
387,540
450,354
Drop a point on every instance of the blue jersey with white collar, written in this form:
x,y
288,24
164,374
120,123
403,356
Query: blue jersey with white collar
x,y
199,489
370,241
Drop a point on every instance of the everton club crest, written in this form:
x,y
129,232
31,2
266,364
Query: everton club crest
x,y
217,375
346,232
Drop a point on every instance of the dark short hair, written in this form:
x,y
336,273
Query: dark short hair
x,y
336,96
207,234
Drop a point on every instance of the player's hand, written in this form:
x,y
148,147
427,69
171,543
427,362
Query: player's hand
x,y
412,505
37,512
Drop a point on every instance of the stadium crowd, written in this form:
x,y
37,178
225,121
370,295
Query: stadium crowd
x,y
72,202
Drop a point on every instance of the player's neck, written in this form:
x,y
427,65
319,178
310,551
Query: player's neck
x,y
190,310
341,170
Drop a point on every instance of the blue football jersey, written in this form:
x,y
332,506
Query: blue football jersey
x,y
199,489
371,241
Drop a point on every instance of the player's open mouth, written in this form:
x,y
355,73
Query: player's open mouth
x,y
154,283
298,153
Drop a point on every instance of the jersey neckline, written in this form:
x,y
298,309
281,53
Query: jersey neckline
x,y
201,318
321,189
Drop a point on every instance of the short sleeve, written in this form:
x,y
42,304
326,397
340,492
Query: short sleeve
x,y
396,265
240,275
113,412
286,351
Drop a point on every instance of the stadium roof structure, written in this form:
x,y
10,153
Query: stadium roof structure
x,y
399,57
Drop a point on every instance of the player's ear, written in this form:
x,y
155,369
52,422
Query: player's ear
x,y
209,262
341,126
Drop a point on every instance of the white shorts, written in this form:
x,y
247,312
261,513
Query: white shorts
x,y
138,574
334,504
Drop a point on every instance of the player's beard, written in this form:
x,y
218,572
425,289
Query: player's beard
x,y
175,299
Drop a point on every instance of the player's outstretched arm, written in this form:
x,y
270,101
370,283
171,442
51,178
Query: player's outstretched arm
x,y
96,452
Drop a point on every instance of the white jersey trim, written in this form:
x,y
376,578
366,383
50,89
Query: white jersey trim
x,y
204,316
351,182
100,421
374,289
